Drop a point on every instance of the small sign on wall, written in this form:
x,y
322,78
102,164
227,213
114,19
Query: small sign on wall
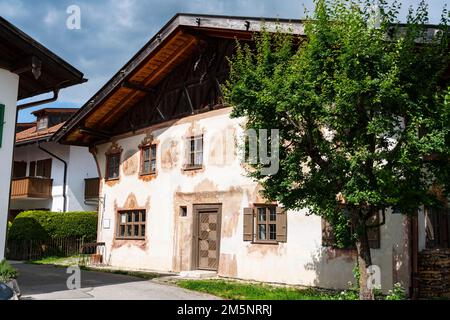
x,y
2,122
106,223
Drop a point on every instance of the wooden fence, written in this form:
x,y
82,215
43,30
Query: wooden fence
x,y
38,249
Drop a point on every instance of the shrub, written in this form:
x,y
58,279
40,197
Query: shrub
x,y
7,272
397,293
43,225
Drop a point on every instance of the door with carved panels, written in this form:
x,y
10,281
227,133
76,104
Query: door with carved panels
x,y
208,221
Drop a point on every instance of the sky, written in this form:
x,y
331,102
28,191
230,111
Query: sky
x,y
112,31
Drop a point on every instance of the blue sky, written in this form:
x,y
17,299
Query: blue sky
x,y
113,30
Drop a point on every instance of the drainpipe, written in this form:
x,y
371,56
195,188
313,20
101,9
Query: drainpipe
x,y
65,175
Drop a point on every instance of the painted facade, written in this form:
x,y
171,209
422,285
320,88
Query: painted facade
x,y
153,116
170,239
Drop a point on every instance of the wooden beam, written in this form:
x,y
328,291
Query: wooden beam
x,y
150,78
186,93
137,86
97,133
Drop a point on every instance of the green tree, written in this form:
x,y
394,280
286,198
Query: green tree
x,y
362,110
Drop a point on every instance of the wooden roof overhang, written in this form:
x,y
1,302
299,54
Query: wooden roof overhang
x,y
18,54
175,42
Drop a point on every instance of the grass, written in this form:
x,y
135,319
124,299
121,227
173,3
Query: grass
x,y
247,291
77,260
58,261
7,272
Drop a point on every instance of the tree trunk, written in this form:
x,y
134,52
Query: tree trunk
x,y
364,258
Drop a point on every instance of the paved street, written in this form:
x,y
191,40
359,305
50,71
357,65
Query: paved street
x,y
45,282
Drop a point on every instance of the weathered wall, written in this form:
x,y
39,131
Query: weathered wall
x,y
169,237
9,84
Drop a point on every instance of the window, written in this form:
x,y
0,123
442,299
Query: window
x,y
42,123
19,169
112,166
344,240
183,211
148,156
265,223
131,224
195,152
41,168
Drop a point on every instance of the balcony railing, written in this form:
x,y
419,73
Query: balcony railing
x,y
31,187
91,187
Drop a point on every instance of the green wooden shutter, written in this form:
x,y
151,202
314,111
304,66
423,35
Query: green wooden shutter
x,y
2,122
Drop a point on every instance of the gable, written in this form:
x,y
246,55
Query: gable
x,y
176,73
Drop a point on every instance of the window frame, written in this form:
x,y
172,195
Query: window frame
x,y
42,123
267,223
44,165
150,159
133,223
191,154
108,159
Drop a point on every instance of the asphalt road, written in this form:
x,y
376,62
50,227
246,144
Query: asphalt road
x,y
44,282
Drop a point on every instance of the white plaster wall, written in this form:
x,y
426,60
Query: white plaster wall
x,y
29,153
301,260
9,84
81,165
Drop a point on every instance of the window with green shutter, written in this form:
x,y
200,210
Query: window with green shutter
x,y
2,122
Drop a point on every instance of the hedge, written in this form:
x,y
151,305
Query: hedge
x,y
43,225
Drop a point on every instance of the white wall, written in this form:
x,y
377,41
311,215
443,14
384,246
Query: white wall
x,y
80,164
9,84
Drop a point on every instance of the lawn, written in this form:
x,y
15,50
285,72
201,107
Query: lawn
x,y
78,260
58,261
234,290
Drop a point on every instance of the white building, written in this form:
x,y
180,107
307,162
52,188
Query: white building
x,y
48,175
177,197
27,69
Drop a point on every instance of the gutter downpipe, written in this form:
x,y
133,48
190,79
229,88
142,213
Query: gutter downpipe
x,y
65,175
40,102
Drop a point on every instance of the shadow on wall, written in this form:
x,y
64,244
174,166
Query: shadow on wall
x,y
333,267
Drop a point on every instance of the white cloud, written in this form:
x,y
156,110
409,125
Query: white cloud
x,y
124,11
52,17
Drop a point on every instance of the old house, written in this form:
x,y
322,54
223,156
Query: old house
x,y
174,193
27,69
47,175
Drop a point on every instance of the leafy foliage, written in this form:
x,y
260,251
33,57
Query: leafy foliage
x,y
397,293
349,101
7,272
362,109
42,225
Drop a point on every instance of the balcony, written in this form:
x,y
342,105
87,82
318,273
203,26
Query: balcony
x,y
31,188
91,188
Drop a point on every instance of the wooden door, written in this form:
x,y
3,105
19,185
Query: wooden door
x,y
208,221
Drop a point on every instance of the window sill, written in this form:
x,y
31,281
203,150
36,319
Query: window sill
x,y
112,179
126,239
272,242
193,168
147,174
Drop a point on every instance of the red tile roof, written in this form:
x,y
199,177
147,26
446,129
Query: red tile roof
x,y
32,134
